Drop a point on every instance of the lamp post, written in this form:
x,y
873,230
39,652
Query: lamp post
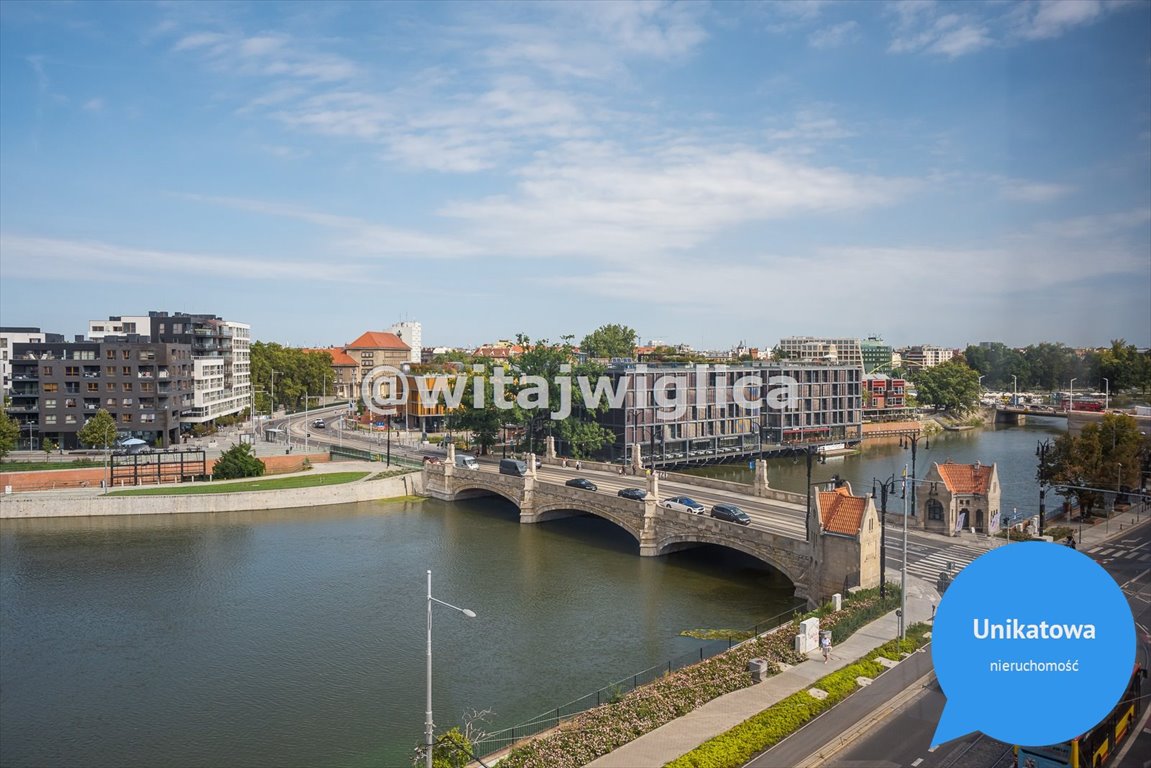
x,y
888,486
903,564
1015,385
1071,395
1107,395
911,441
429,728
1041,450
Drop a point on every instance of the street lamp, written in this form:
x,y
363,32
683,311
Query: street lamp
x,y
1041,450
1015,384
903,563
911,440
428,726
1107,396
1071,395
888,486
980,382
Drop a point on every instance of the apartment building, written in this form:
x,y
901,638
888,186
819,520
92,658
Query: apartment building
x,y
144,385
926,356
824,350
9,337
884,398
876,355
825,408
220,349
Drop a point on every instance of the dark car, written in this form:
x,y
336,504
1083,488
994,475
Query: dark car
x,y
730,513
683,504
637,494
580,482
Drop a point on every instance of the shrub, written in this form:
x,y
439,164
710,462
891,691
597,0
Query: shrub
x,y
237,462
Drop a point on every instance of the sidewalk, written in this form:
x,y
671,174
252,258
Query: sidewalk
x,y
680,736
669,741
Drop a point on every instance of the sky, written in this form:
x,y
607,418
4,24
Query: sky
x,y
930,172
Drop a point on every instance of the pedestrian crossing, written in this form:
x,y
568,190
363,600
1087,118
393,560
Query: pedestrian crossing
x,y
928,562
1108,552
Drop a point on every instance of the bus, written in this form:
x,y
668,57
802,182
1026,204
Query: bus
x,y
1095,748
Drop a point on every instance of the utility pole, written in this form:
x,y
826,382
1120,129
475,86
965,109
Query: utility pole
x,y
888,486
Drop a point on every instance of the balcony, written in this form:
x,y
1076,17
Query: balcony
x,y
23,409
162,375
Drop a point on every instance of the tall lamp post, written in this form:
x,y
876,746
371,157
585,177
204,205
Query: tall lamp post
x,y
911,441
888,486
903,564
1041,450
1107,395
429,728
1015,385
1071,395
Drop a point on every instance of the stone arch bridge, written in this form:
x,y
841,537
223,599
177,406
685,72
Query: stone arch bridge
x,y
657,530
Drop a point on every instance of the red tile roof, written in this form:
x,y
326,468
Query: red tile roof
x,y
966,478
378,340
840,512
339,357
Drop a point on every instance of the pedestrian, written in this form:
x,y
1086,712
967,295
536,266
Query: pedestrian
x,y
825,645
1070,541
579,465
565,463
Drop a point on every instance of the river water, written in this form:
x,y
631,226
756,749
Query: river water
x,y
297,637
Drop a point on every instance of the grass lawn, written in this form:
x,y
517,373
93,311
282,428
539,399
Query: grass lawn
x,y
259,484
36,466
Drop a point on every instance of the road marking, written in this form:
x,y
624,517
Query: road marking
x,y
916,762
933,749
1129,582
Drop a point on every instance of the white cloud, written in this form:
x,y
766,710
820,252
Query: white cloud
x,y
94,105
1051,18
69,260
812,125
950,35
833,36
1033,192
267,55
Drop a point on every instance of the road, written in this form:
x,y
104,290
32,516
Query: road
x,y
904,738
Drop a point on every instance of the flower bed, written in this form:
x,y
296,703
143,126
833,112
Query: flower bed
x,y
596,732
766,729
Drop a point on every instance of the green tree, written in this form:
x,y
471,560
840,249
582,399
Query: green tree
x,y
1105,456
9,434
485,421
238,461
49,447
952,386
450,750
298,373
609,341
99,431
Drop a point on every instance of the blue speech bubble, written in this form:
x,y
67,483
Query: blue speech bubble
x,y
1033,644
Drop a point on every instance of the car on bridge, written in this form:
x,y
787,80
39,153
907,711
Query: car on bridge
x,y
635,494
683,504
582,482
730,513
319,424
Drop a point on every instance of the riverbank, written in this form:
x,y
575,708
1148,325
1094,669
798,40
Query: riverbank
x,y
90,502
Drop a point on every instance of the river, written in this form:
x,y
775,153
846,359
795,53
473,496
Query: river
x,y
297,637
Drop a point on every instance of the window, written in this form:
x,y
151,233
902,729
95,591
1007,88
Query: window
x,y
110,370
51,387
934,509
126,354
146,386
51,419
72,386
125,418
51,403
109,354
147,354
46,370
71,370
70,418
126,371
127,386
70,402
93,386
110,386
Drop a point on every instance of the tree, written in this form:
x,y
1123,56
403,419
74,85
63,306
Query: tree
x,y
952,386
483,422
298,373
1105,456
609,341
237,461
49,447
99,431
9,434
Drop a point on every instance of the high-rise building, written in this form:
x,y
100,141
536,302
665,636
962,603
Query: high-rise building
x,y
876,354
926,356
12,335
411,333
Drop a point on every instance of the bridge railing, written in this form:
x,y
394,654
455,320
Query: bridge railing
x,y
498,741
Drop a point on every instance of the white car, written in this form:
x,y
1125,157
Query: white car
x,y
683,504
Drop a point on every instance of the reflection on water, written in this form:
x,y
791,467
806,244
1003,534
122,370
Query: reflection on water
x,y
297,637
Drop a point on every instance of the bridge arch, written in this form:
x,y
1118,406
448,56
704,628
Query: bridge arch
x,y
468,491
682,541
554,510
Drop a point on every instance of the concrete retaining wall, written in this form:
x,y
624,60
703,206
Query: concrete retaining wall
x,y
44,505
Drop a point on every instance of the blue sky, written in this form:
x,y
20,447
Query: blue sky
x,y
707,173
